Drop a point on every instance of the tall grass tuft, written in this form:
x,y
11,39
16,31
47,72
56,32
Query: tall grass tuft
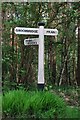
x,y
36,104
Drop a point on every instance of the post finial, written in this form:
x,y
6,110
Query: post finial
x,y
41,24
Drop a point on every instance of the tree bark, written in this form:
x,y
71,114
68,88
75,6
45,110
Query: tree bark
x,y
52,63
78,61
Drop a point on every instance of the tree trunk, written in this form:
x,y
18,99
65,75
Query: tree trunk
x,y
12,52
63,80
52,62
78,61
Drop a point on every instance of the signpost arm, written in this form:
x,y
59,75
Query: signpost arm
x,y
41,57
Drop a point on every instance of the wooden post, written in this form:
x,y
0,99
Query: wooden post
x,y
41,57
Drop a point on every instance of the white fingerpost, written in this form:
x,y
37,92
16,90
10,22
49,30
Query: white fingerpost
x,y
40,42
41,57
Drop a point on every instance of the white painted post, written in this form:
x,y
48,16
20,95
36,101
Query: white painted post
x,y
34,41
41,57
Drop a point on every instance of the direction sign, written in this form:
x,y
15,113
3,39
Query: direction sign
x,y
50,32
35,31
26,31
31,41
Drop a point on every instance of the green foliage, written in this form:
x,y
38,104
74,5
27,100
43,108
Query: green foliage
x,y
0,102
37,104
72,112
22,64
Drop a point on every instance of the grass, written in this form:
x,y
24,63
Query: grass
x,y
72,112
36,104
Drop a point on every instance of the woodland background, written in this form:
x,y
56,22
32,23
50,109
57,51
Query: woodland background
x,y
61,95
62,53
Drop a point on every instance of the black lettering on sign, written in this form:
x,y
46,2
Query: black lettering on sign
x,y
23,30
50,31
28,40
32,43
